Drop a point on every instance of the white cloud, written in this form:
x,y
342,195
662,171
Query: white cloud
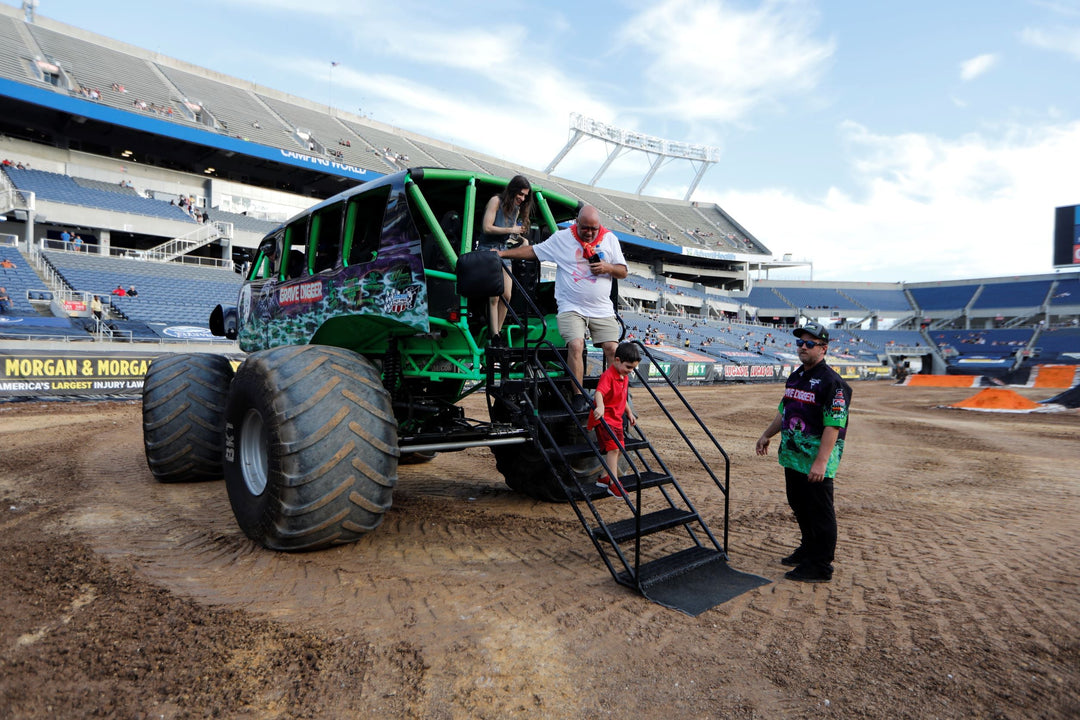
x,y
976,66
714,61
1063,39
929,208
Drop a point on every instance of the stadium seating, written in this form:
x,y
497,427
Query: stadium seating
x,y
878,300
1019,294
827,299
993,342
943,297
242,222
170,293
54,187
18,281
11,60
1053,342
101,68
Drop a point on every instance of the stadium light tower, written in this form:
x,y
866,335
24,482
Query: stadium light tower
x,y
29,6
658,150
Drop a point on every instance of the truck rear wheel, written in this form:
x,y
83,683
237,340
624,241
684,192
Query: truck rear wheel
x,y
183,408
310,447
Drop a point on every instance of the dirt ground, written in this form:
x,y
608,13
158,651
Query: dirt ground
x,y
956,593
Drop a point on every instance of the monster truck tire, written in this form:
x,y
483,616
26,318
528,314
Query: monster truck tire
x,y
526,472
310,447
183,406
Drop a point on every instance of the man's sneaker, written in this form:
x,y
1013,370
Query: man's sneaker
x,y
579,403
614,487
793,559
809,574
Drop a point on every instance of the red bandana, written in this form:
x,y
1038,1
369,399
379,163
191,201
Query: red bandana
x,y
589,248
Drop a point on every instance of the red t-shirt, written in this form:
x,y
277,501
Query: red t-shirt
x,y
612,387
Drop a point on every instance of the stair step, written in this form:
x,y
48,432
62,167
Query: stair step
x,y
658,570
556,414
649,478
653,522
629,483
583,449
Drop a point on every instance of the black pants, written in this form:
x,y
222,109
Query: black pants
x,y
812,504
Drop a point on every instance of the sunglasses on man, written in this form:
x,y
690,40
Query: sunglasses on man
x,y
810,344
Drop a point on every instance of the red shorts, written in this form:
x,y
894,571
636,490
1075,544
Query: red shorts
x,y
605,440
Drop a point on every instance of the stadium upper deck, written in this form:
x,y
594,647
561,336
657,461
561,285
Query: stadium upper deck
x,y
63,87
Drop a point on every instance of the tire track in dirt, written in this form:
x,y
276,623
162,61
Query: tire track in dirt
x,y
488,600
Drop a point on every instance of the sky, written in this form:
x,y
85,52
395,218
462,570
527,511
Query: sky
x,y
881,141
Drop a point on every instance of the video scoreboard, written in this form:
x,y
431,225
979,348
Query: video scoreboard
x,y
1067,237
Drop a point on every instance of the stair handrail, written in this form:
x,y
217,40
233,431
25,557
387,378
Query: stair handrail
x,y
202,235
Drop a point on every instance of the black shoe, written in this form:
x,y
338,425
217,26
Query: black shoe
x,y
809,574
580,404
793,559
497,341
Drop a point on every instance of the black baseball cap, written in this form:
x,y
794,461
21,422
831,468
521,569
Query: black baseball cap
x,y
813,328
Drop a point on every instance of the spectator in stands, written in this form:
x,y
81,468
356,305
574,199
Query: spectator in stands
x,y
65,237
506,219
132,292
96,308
7,265
5,301
119,291
589,258
77,241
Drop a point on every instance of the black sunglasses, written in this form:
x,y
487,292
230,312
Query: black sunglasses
x,y
810,344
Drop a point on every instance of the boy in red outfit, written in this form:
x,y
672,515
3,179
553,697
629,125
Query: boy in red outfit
x,y
610,402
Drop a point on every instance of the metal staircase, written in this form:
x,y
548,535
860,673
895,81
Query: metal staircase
x,y
197,238
654,540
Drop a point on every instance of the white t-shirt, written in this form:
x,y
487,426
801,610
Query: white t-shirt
x,y
576,288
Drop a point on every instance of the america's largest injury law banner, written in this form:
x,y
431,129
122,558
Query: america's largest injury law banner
x,y
90,374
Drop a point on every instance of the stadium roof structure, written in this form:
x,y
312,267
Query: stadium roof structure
x,y
659,151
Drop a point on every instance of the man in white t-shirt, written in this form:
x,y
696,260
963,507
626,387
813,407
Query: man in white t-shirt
x,y
588,257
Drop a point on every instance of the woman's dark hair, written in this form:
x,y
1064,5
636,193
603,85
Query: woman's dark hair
x,y
506,200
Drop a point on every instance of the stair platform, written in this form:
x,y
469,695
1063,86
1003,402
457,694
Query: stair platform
x,y
692,580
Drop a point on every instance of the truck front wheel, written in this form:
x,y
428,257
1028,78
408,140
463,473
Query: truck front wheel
x,y
310,447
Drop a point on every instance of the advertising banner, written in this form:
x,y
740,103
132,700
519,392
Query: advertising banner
x,y
46,375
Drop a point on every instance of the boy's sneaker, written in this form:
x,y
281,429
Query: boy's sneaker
x,y
614,488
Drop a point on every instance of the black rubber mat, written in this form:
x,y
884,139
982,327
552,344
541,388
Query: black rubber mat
x,y
706,586
1070,398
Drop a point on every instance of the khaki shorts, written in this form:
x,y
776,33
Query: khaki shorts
x,y
602,329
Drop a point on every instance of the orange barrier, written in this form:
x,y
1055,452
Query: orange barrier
x,y
943,380
1055,376
997,399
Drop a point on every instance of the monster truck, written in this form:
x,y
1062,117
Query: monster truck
x,y
364,320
